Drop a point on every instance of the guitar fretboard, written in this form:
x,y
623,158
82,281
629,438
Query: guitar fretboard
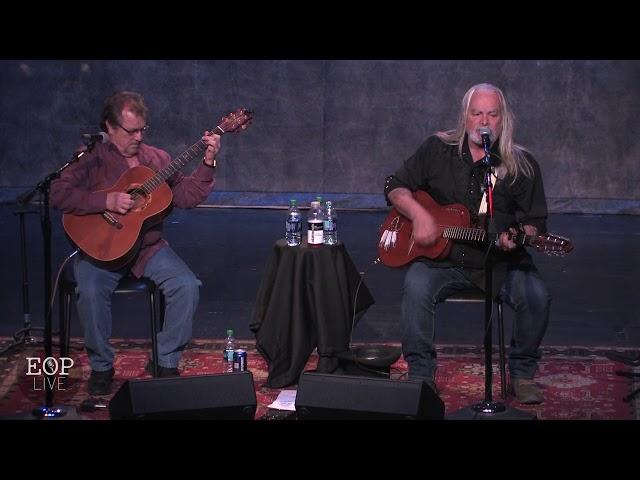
x,y
184,158
187,156
463,233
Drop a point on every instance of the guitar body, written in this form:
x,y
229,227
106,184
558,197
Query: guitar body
x,y
112,245
402,249
396,246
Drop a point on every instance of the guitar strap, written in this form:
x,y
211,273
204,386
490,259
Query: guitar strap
x,y
483,204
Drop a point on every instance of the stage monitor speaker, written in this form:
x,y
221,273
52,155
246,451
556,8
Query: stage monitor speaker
x,y
323,396
230,396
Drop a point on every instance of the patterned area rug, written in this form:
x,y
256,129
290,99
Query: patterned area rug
x,y
578,383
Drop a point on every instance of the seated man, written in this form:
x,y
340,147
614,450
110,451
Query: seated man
x,y
449,166
80,190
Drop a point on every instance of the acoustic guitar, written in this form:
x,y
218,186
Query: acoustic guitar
x,y
396,246
111,240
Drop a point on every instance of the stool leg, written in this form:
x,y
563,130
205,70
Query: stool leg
x,y
162,309
154,331
65,320
629,397
503,369
61,299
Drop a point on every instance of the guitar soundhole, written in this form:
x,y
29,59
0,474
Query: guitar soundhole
x,y
140,198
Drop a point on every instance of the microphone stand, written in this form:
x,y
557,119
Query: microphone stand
x,y
23,336
49,411
487,409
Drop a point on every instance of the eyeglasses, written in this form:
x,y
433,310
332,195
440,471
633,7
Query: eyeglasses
x,y
133,131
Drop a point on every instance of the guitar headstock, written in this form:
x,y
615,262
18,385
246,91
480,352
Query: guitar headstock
x,y
234,121
551,244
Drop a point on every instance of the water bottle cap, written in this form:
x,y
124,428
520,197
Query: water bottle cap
x,y
229,333
293,201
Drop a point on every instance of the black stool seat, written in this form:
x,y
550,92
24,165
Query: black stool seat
x,y
470,296
377,356
127,284
130,284
369,360
475,295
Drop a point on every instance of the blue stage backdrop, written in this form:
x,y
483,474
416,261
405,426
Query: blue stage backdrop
x,y
334,127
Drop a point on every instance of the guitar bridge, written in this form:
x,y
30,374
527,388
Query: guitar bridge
x,y
111,220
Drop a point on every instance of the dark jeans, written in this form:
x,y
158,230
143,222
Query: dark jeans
x,y
425,286
181,291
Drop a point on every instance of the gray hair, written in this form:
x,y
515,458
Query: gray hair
x,y
514,159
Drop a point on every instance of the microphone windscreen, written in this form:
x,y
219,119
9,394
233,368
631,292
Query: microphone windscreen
x,y
99,137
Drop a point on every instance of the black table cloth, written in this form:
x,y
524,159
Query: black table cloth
x,y
306,300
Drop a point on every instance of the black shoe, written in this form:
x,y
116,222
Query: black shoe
x,y
433,386
632,359
429,381
163,372
100,382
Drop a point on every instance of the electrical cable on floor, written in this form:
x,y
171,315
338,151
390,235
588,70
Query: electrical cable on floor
x,y
358,363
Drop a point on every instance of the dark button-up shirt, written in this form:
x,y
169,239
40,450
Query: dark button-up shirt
x,y
81,189
440,170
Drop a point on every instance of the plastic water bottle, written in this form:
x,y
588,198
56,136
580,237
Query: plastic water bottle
x,y
315,224
230,346
319,200
330,224
293,230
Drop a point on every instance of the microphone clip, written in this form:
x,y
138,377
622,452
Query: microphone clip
x,y
90,139
487,158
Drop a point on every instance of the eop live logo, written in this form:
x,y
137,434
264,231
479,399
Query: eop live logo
x,y
51,372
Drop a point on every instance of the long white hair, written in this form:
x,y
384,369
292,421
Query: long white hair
x,y
514,159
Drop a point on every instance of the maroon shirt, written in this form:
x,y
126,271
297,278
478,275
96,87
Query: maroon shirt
x,y
77,191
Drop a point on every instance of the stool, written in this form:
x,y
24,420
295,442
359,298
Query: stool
x,y
369,360
475,295
127,284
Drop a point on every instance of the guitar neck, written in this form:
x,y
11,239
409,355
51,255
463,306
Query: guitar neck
x,y
194,151
472,234
464,233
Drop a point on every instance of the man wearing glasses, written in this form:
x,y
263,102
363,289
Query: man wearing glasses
x,y
80,190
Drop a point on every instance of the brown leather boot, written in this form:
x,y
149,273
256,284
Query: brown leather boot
x,y
526,391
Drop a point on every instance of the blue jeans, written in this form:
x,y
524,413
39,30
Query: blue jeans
x,y
425,286
96,285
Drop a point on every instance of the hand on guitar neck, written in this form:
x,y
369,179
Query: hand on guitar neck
x,y
506,241
212,141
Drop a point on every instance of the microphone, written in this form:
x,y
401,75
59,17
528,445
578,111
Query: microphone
x,y
99,137
485,134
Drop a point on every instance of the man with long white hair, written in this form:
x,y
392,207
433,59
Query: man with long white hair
x,y
452,167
